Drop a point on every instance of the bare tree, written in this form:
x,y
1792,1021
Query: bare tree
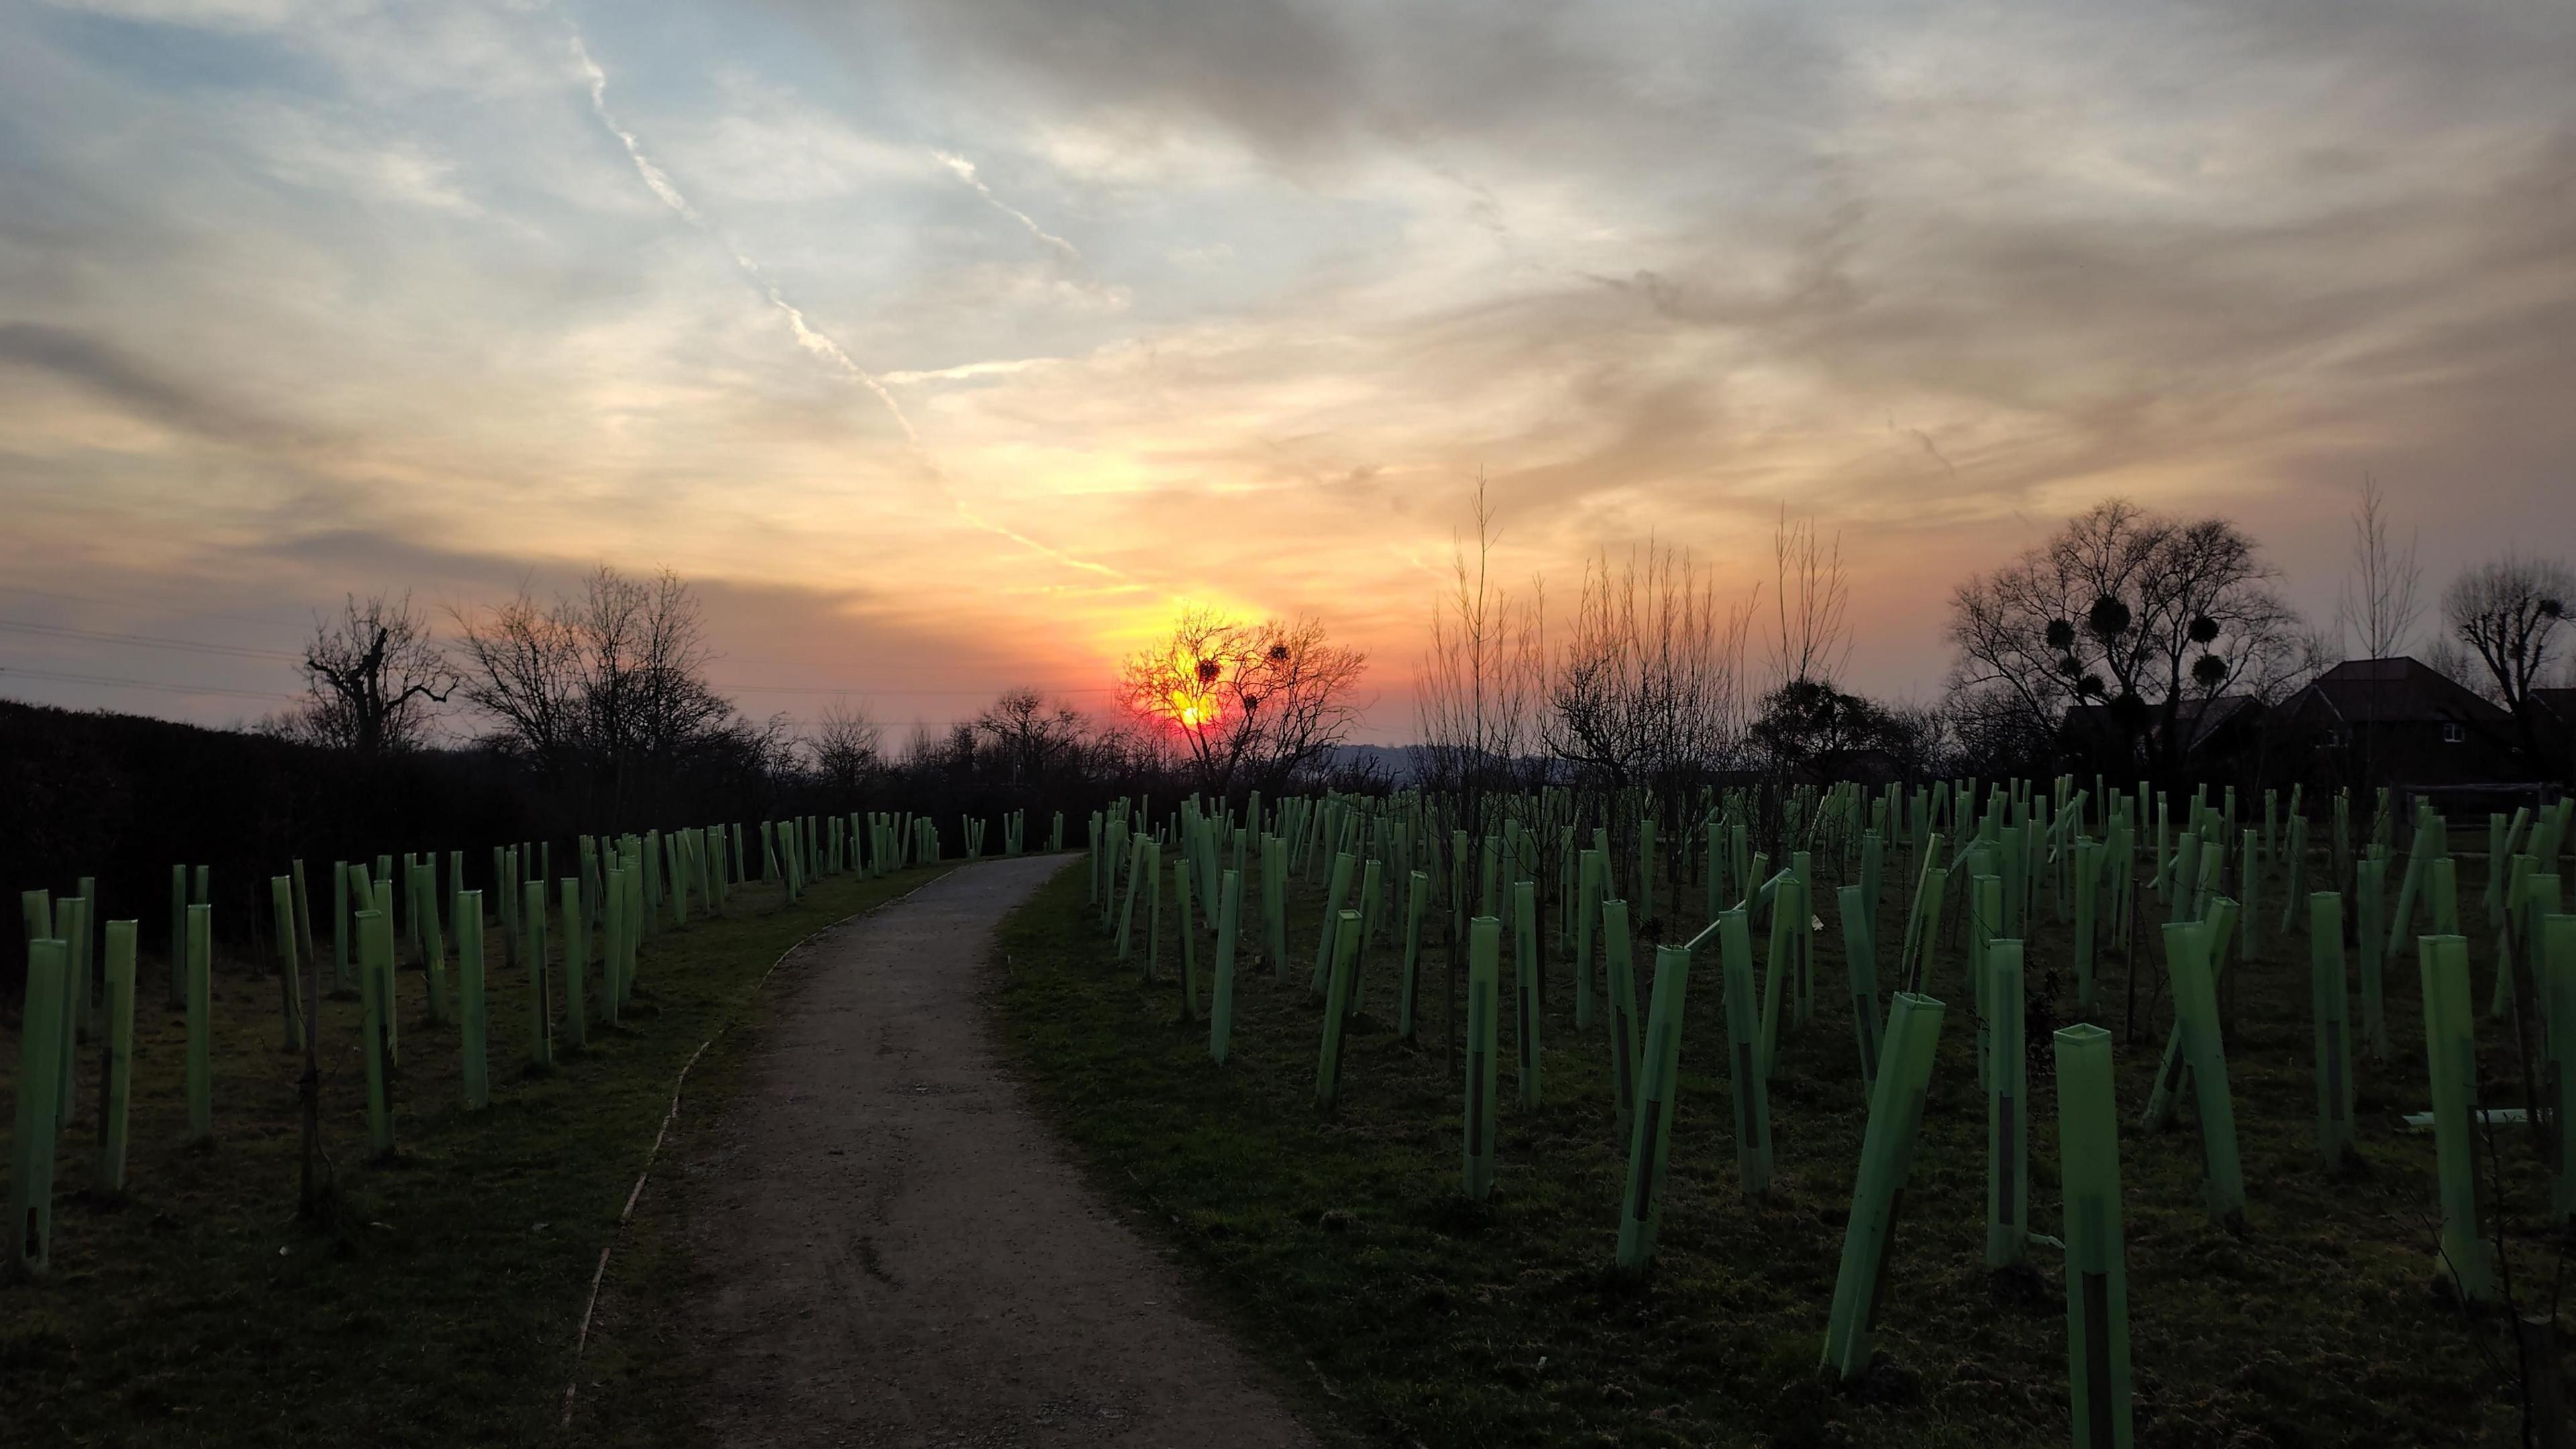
x,y
847,747
1478,690
374,677
2381,598
522,666
1810,599
1648,688
2143,616
2508,612
1247,704
1031,736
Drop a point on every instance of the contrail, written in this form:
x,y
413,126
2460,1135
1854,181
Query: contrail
x,y
813,339
659,181
965,170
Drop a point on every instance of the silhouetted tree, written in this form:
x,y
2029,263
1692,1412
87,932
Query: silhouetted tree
x,y
374,677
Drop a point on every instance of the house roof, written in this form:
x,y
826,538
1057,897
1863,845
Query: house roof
x,y
2392,691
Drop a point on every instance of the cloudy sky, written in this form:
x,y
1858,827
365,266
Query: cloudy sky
x,y
950,344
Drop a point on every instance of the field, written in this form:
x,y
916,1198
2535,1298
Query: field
x,y
439,1305
1342,1245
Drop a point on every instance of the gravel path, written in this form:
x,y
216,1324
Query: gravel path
x,y
903,1255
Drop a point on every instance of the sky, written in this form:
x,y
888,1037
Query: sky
x,y
949,345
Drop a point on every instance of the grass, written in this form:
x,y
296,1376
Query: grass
x,y
1344,1250
440,1308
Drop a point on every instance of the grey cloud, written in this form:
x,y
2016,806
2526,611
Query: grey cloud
x,y
142,391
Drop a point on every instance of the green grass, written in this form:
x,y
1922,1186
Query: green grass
x,y
1345,1252
440,1309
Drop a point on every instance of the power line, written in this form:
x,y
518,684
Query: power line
x,y
147,641
10,671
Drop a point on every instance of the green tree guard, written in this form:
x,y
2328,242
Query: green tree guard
x,y
178,937
2369,892
1886,1163
2088,878
2442,888
1802,935
2195,992
1752,1090
1484,1012
433,941
1587,909
281,900
473,1005
1327,934
1417,899
2450,1057
341,940
2334,1026
1985,924
532,950
201,1042
1787,910
1618,955
2173,1069
1860,960
383,904
1181,873
1221,999
1373,882
1153,871
2554,968
576,963
1650,1138
41,1049
2186,873
117,1061
1924,929
1525,975
1274,905
66,924
82,968
1328,1062
2007,1111
2097,1275
375,974
1135,867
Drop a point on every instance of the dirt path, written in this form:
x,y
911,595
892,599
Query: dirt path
x,y
901,1253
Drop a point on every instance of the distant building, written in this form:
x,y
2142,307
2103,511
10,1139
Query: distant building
x,y
2399,723
2218,735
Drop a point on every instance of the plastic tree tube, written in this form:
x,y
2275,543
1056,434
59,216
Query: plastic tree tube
x,y
69,920
1743,1054
1153,873
1181,873
1484,1011
81,968
1328,934
2195,992
1328,1062
1645,869
532,950
1531,1058
116,1087
2333,1024
2007,1111
2097,1277
1658,1088
1135,865
1786,909
1274,905
1373,882
42,1047
375,973
1221,999
1802,935
1859,959
576,961
1417,898
2554,966
472,1006
2369,891
2088,876
1619,956
433,940
2450,1055
281,899
1886,1162
1986,924
200,965
1587,909
2174,1067
341,940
